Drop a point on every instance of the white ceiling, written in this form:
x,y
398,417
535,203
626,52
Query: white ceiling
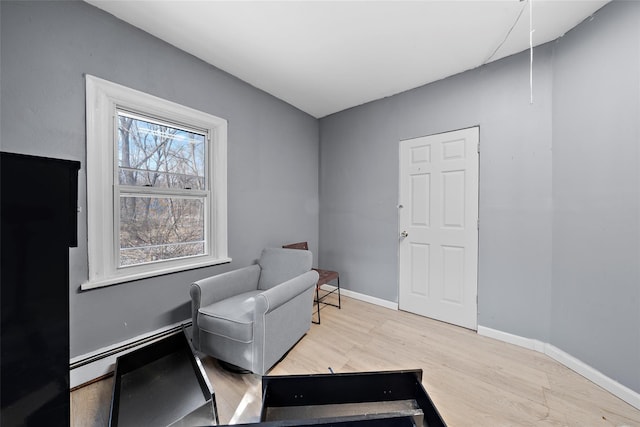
x,y
326,56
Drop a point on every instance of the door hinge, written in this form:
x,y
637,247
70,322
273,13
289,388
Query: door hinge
x,y
478,224
478,147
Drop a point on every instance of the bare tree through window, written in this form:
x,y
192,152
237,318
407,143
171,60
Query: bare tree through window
x,y
161,170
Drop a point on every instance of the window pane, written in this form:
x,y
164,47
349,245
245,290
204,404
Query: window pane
x,y
153,154
155,229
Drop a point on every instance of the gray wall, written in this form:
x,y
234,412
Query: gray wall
x,y
273,157
596,194
359,186
559,189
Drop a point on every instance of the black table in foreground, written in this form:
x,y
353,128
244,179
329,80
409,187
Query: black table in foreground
x,y
164,384
390,398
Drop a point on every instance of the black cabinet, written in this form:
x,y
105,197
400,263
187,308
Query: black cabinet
x,y
39,223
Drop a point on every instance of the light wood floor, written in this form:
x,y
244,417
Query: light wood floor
x,y
473,380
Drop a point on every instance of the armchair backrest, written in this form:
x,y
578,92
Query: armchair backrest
x,y
279,265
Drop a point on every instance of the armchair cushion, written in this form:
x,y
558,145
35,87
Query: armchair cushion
x,y
231,318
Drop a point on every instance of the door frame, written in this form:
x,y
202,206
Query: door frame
x,y
399,207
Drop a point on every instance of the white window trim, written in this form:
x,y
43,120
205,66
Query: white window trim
x,y
102,99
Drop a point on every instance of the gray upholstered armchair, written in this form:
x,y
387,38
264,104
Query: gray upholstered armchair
x,y
251,317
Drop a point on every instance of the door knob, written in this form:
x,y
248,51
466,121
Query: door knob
x,y
404,234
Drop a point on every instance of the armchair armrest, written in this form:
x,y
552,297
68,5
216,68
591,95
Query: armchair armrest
x,y
225,285
273,298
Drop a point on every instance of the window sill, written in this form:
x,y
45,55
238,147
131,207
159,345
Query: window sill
x,y
115,280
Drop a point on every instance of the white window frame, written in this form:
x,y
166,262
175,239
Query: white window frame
x,y
103,98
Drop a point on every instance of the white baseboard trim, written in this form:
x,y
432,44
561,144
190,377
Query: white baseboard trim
x,y
571,362
83,369
592,374
529,343
362,297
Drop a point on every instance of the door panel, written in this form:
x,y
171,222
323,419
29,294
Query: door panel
x,y
420,210
438,258
453,196
420,274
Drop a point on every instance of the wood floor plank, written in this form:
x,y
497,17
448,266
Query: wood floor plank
x,y
473,380
90,405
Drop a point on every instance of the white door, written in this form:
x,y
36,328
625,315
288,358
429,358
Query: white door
x,y
438,218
